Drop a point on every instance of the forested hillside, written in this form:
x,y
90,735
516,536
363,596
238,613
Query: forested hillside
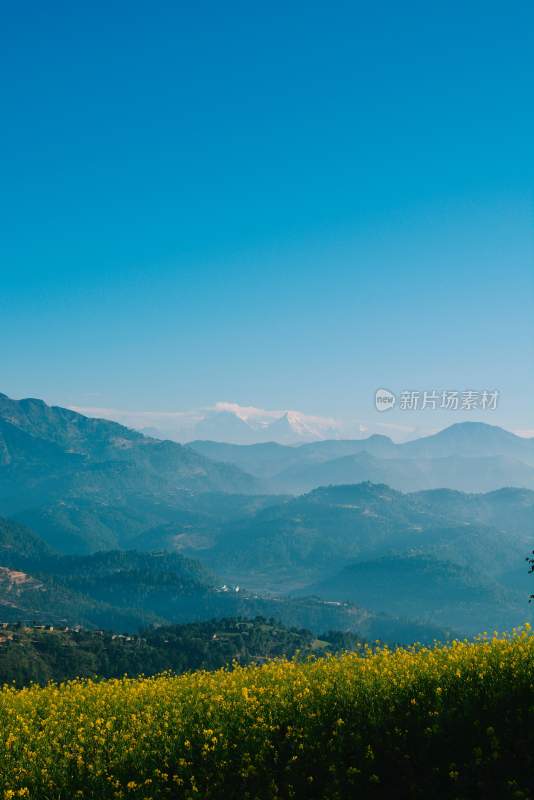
x,y
40,654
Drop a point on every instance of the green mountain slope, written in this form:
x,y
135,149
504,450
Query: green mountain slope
x,y
17,542
295,542
90,480
428,589
127,590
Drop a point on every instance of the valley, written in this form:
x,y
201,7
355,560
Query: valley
x,y
112,529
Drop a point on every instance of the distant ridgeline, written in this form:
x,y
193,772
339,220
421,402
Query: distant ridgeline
x,y
106,528
41,653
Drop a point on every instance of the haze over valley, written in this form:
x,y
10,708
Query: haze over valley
x,y
104,526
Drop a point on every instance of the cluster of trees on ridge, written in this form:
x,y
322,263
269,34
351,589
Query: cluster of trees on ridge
x,y
37,654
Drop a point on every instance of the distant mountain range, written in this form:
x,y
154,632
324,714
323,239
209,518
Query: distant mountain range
x,y
227,422
324,518
468,456
232,423
291,427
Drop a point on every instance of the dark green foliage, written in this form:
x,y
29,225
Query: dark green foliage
x,y
19,543
31,654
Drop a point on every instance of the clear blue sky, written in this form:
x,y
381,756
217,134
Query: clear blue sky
x,y
280,204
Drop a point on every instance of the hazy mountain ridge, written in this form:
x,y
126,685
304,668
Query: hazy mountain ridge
x,y
347,522
468,456
227,422
105,445
95,480
85,485
469,474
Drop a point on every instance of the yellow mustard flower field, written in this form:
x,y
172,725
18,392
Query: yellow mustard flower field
x,y
453,721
